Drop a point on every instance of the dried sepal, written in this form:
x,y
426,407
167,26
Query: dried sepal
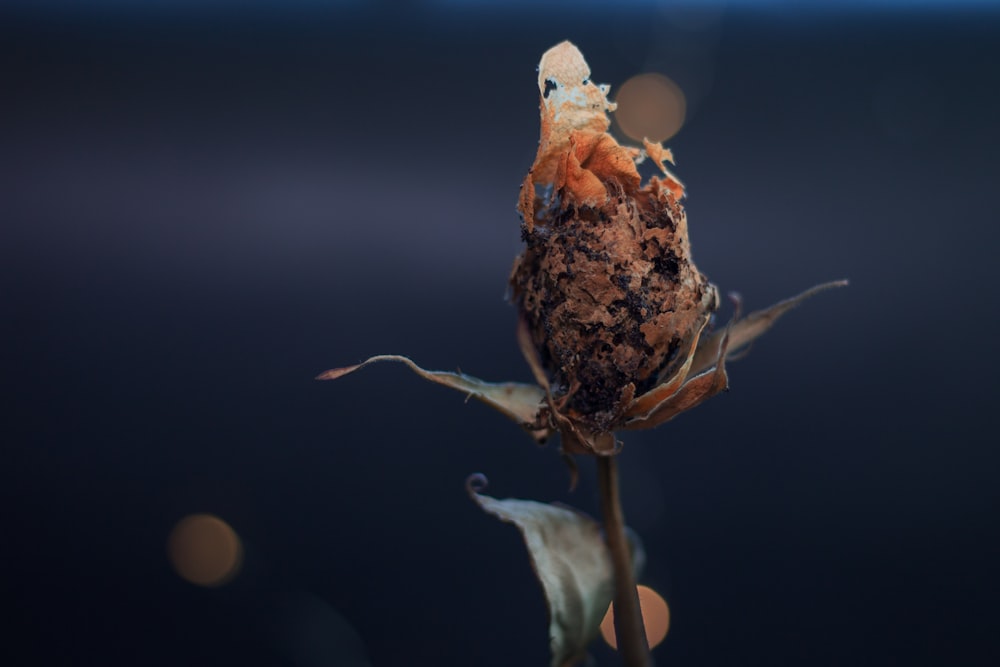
x,y
744,331
520,402
572,562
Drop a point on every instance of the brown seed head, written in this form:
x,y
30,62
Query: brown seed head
x,y
606,284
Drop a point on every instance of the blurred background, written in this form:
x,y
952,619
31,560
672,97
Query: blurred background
x,y
206,204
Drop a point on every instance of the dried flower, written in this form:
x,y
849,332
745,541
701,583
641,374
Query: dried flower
x,y
606,287
613,311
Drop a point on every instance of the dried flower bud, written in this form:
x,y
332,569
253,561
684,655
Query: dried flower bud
x,y
606,285
612,307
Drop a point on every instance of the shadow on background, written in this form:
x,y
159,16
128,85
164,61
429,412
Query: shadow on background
x,y
203,209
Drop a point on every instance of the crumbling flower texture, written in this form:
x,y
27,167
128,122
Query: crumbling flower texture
x,y
606,285
612,308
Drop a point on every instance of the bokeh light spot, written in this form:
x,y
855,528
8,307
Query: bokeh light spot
x,y
655,616
205,550
650,106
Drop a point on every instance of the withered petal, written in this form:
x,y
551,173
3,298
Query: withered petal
x,y
680,370
570,101
581,186
743,331
645,404
520,402
602,155
693,393
660,155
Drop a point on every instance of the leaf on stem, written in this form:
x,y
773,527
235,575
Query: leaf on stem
x,y
744,331
520,402
568,553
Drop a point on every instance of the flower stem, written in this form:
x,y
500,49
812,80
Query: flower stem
x,y
630,631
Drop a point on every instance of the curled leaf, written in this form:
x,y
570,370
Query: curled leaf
x,y
744,331
520,402
572,562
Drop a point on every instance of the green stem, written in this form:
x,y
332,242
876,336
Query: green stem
x,y
630,631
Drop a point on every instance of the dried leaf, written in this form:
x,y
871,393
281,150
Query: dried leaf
x,y
520,402
572,562
744,331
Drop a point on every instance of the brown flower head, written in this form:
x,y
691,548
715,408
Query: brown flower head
x,y
606,286
613,311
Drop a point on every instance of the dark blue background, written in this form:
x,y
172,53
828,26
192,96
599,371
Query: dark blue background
x,y
203,209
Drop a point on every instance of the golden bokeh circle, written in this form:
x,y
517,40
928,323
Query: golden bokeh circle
x,y
650,106
655,616
205,550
